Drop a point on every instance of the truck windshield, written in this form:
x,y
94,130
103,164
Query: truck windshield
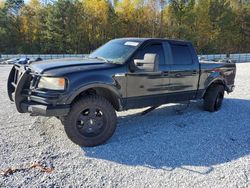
x,y
115,51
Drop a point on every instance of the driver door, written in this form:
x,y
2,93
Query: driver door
x,y
144,87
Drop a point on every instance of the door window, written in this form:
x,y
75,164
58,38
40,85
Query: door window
x,y
152,49
181,55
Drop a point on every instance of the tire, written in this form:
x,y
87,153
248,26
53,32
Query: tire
x,y
213,98
62,119
91,121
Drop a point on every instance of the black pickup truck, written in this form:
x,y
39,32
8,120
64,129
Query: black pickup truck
x,y
126,73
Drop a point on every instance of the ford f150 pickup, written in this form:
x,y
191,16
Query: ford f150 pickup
x,y
123,74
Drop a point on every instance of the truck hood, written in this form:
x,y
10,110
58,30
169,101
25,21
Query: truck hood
x,y
68,65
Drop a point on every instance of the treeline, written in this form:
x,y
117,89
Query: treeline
x,y
79,26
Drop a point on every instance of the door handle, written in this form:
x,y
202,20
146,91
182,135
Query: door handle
x,y
194,72
164,73
178,75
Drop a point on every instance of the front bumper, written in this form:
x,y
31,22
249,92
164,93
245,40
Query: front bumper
x,y
21,90
45,110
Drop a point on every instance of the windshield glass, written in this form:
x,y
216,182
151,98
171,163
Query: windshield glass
x,y
115,51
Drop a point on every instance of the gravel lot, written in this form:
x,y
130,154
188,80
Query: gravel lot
x,y
169,147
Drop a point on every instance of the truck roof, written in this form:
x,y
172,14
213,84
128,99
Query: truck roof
x,y
148,39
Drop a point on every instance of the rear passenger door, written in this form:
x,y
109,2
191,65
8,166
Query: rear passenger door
x,y
184,71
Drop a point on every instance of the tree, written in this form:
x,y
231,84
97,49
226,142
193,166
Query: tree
x,y
125,11
13,6
205,34
181,19
222,19
32,26
2,4
79,26
162,6
10,25
242,25
61,27
97,16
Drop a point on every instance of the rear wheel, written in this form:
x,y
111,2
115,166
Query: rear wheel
x,y
213,98
91,121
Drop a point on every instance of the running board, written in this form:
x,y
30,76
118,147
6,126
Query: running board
x,y
149,110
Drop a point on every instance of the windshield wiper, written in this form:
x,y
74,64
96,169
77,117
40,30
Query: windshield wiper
x,y
102,58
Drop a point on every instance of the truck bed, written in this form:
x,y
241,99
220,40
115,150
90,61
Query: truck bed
x,y
210,70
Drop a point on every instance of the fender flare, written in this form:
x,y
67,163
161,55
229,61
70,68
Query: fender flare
x,y
83,88
216,80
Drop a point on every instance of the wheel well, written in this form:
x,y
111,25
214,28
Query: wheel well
x,y
216,82
106,93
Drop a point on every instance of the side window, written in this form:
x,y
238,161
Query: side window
x,y
181,54
152,49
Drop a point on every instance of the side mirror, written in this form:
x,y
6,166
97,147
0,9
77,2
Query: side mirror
x,y
149,63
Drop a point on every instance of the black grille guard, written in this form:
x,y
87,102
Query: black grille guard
x,y
18,85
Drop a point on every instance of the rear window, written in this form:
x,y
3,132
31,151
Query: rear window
x,y
181,54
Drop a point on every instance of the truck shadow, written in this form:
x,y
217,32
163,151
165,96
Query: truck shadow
x,y
171,137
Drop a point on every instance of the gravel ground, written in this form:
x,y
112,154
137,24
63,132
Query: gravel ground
x,y
169,147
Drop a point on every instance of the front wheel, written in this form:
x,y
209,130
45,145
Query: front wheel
x,y
213,98
91,121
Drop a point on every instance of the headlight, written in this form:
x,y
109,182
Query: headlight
x,y
52,83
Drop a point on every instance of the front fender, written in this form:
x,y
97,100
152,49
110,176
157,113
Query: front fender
x,y
107,79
